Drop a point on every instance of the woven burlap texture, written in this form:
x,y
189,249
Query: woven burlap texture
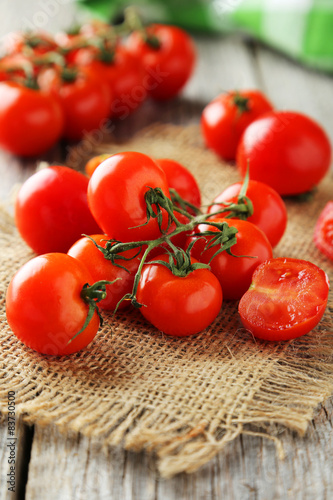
x,y
182,398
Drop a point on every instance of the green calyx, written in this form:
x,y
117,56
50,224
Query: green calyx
x,y
242,103
92,295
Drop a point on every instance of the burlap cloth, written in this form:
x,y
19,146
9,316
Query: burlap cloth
x,y
181,398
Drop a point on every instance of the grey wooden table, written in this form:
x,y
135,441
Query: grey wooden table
x,y
64,467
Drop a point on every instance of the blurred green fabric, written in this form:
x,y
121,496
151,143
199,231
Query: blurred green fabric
x,y
302,29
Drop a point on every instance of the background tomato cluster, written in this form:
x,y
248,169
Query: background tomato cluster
x,y
71,84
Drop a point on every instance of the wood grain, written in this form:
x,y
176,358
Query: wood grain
x,y
73,467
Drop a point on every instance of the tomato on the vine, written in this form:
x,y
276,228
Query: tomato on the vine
x,y
116,196
269,210
168,54
287,299
51,209
84,98
323,233
30,43
226,117
123,73
234,272
100,268
287,150
31,122
181,179
178,305
45,307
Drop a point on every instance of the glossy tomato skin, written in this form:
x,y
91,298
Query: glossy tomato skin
x,y
226,117
37,43
100,268
323,233
169,66
287,150
124,75
181,179
116,196
178,306
30,121
85,100
93,163
287,299
51,209
44,308
269,210
235,273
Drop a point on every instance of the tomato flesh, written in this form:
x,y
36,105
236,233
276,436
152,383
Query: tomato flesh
x,y
287,299
323,234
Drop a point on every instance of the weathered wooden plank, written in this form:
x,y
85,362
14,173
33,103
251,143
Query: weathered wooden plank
x,y
14,459
294,87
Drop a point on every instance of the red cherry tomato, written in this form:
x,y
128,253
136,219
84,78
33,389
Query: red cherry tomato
x,y
287,299
178,306
226,117
30,121
44,306
100,268
168,56
269,210
323,233
51,209
287,150
116,196
85,100
234,272
124,75
181,179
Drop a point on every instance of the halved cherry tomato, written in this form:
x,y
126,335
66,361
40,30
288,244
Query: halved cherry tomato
x,y
181,179
287,299
226,117
287,150
100,268
269,210
44,305
323,233
51,209
234,272
168,54
31,122
178,306
116,196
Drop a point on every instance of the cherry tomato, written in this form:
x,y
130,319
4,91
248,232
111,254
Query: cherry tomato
x,y
323,233
124,75
234,272
226,117
178,306
168,54
44,306
100,268
51,209
181,179
287,299
30,121
93,163
116,196
287,150
269,210
84,98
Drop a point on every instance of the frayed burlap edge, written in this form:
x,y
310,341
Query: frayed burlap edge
x,y
183,399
